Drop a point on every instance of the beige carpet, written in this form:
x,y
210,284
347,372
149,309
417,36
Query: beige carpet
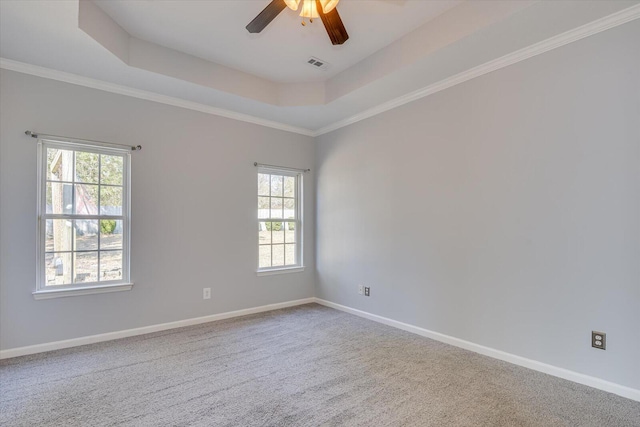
x,y
304,366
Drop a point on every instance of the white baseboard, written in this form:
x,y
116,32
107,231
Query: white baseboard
x,y
566,374
624,391
74,342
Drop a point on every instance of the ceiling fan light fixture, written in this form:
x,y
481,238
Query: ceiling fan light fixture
x,y
292,4
324,9
309,8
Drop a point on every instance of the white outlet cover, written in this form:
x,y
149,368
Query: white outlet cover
x,y
206,293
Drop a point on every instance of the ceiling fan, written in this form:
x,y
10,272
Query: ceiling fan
x,y
323,9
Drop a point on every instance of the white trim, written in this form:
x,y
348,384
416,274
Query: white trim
x,y
74,289
297,219
74,342
566,374
108,146
273,271
48,73
624,391
597,26
87,290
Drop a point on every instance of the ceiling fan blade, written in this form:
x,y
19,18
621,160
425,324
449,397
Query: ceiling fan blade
x,y
267,15
333,24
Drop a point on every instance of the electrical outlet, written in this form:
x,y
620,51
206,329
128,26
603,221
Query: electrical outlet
x,y
206,293
599,340
361,289
367,291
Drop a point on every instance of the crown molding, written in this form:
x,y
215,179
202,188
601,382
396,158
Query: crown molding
x,y
62,76
603,24
551,43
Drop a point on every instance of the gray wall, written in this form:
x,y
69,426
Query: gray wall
x,y
504,211
194,201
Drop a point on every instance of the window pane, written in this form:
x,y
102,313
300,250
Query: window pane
x,y
276,207
86,199
87,167
111,170
86,235
263,207
110,234
57,269
49,201
277,239
276,185
264,233
58,235
290,254
289,208
59,198
289,186
278,255
85,266
59,165
277,232
290,232
264,256
110,200
82,182
110,265
263,184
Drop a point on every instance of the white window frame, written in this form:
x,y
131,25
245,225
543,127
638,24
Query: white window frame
x,y
45,292
299,221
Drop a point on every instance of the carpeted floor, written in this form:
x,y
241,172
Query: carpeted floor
x,y
303,366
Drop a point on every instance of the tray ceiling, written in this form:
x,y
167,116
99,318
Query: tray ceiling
x,y
197,54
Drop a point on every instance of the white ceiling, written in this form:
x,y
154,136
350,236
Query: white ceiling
x,y
215,31
370,73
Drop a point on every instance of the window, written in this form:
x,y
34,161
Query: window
x,y
279,220
83,218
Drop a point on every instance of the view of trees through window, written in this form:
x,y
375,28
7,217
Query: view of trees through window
x,y
84,217
277,220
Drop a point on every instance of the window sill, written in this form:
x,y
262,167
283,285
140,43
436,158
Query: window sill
x,y
280,271
99,289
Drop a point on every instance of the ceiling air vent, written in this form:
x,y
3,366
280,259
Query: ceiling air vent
x,y
318,63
